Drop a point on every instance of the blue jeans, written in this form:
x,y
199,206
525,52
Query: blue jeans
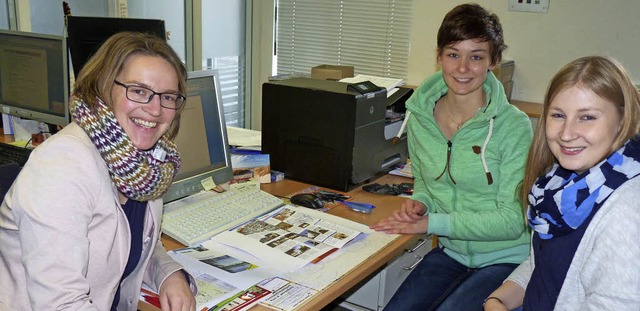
x,y
441,283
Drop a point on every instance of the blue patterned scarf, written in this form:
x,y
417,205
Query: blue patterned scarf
x,y
560,201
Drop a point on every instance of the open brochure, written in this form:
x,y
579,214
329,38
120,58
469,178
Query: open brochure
x,y
291,237
240,267
222,274
235,278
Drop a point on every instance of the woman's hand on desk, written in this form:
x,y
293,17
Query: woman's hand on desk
x,y
175,293
410,211
392,225
408,219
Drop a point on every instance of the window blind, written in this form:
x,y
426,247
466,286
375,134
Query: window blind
x,y
371,35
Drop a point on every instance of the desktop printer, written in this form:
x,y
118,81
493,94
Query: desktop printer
x,y
330,133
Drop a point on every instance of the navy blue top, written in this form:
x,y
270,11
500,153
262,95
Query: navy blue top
x,y
552,259
135,211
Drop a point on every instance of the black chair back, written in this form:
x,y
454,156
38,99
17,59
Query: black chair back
x,y
8,173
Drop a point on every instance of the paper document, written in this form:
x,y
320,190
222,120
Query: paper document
x,y
402,170
391,84
285,295
244,137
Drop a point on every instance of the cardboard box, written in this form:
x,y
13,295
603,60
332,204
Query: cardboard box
x,y
331,72
508,88
504,73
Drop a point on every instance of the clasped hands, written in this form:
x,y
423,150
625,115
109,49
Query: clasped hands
x,y
408,219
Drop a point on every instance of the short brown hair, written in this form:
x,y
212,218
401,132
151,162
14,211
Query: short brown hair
x,y
471,21
95,79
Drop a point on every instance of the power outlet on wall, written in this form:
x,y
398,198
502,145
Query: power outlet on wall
x,y
535,6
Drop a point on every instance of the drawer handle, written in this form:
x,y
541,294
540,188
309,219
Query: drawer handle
x,y
418,245
414,264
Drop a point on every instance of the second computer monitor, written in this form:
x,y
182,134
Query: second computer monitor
x,y
34,77
86,34
202,139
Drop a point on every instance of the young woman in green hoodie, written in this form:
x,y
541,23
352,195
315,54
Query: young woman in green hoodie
x,y
468,148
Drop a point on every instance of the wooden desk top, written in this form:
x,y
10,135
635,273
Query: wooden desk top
x,y
533,110
5,138
385,205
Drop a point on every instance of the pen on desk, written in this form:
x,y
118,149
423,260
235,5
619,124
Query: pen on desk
x,y
402,127
358,206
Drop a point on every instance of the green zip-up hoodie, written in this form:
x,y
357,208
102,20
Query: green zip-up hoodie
x,y
477,222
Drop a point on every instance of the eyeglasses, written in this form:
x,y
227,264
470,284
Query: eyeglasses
x,y
143,95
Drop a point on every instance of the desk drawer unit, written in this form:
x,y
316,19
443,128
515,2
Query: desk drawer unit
x,y
378,290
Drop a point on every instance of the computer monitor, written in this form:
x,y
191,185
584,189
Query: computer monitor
x,y
34,77
202,139
85,34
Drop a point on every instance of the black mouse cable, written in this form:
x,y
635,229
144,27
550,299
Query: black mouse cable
x,y
30,139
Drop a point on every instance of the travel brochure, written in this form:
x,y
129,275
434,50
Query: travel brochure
x,y
251,167
290,236
243,266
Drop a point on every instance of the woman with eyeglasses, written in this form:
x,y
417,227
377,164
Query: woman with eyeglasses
x,y
468,148
80,227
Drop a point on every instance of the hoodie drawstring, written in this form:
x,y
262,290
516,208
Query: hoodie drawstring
x,y
482,151
484,148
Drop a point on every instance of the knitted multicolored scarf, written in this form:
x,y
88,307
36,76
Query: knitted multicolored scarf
x,y
141,175
560,201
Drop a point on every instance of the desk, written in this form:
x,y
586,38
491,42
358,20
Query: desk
x,y
5,138
385,205
533,110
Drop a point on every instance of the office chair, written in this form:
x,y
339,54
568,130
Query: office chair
x,y
8,173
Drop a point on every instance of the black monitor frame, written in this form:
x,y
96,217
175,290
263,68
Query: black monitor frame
x,y
85,34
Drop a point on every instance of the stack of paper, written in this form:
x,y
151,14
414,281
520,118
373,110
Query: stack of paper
x,y
391,84
242,137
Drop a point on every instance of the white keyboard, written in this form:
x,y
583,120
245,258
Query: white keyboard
x,y
196,218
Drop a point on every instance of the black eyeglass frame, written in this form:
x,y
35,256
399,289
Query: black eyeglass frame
x,y
153,93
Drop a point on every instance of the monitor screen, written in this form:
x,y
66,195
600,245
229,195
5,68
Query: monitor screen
x,y
34,76
85,34
202,139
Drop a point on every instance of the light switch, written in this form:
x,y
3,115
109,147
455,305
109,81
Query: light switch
x,y
535,6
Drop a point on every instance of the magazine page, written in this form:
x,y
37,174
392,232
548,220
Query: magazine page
x,y
274,293
221,272
290,237
285,295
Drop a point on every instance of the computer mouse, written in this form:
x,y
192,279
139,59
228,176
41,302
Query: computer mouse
x,y
307,200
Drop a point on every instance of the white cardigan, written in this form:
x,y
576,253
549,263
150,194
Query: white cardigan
x,y
64,238
605,271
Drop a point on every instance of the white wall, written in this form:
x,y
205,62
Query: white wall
x,y
539,43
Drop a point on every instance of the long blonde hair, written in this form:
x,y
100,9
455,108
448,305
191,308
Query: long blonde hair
x,y
605,77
